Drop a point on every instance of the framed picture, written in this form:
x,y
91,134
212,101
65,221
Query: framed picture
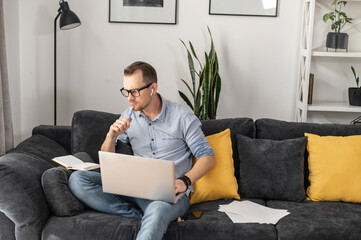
x,y
263,8
143,11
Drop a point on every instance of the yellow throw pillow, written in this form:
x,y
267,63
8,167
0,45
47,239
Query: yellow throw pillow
x,y
335,168
220,181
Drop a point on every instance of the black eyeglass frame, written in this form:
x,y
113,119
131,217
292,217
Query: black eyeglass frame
x,y
132,91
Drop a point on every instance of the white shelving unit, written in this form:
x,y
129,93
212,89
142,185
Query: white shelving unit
x,y
307,53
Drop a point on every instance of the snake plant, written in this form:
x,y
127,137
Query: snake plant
x,y
206,91
357,79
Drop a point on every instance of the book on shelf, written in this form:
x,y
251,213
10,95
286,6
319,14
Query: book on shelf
x,y
310,88
73,163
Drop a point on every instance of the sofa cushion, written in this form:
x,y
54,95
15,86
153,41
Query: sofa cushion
x,y
220,181
61,201
41,147
319,220
91,225
215,225
271,169
60,134
280,130
55,185
89,129
244,126
22,198
212,225
335,168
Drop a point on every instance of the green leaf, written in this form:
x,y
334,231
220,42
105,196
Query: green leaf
x,y
191,67
218,90
190,90
328,16
195,55
185,98
206,85
357,81
354,72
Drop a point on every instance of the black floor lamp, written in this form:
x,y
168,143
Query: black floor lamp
x,y
68,20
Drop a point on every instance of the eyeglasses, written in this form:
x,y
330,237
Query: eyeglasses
x,y
133,92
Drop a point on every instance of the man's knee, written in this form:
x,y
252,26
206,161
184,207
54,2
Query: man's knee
x,y
78,180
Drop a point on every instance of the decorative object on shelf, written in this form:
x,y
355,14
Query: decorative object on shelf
x,y
337,39
264,8
354,93
206,94
143,11
310,88
68,20
356,120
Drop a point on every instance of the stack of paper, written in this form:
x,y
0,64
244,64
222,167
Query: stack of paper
x,y
250,212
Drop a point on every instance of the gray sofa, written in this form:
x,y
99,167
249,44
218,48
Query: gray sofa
x,y
33,206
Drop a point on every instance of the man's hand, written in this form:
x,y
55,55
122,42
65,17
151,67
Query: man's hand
x,y
117,128
180,186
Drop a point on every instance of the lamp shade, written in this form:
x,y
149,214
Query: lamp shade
x,y
68,18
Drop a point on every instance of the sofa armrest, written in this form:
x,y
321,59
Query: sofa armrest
x,y
59,134
21,196
6,228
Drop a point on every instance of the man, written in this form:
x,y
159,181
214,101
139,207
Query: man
x,y
158,129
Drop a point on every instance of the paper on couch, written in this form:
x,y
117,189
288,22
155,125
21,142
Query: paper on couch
x,y
250,212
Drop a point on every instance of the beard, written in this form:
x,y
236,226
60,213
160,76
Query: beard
x,y
137,106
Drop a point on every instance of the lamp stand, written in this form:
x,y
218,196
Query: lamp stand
x,y
56,18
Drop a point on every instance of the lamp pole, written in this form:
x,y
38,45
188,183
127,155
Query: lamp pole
x,y
55,20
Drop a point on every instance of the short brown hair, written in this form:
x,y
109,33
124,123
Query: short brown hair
x,y
149,73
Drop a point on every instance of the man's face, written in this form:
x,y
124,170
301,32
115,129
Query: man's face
x,y
135,81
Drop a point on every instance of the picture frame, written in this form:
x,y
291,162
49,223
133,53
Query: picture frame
x,y
143,11
256,8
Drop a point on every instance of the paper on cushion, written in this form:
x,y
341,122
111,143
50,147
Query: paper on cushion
x,y
247,211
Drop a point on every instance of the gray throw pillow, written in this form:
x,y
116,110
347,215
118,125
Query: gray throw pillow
x,y
272,169
55,185
61,201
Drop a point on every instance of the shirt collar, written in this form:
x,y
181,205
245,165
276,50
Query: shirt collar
x,y
161,116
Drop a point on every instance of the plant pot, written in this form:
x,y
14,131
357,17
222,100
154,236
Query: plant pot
x,y
337,40
354,96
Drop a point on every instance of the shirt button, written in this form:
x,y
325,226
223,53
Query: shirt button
x,y
152,139
154,153
150,124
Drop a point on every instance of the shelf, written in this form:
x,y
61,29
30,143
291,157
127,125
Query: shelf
x,y
336,54
332,107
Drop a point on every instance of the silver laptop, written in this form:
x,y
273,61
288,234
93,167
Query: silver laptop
x,y
138,177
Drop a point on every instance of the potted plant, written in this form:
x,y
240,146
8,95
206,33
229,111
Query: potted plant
x,y
337,39
206,92
354,93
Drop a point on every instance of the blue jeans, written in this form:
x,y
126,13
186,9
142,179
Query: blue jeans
x,y
155,215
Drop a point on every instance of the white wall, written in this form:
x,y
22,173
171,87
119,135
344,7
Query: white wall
x,y
258,59
11,17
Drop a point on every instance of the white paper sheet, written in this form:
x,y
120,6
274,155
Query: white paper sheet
x,y
250,212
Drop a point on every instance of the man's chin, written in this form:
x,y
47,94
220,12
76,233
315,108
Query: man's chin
x,y
136,107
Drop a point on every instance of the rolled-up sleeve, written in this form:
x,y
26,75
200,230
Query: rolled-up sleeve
x,y
194,137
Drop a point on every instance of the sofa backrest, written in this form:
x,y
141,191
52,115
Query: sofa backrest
x,y
243,126
280,130
89,129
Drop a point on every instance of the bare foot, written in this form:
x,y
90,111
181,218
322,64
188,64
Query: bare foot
x,y
179,219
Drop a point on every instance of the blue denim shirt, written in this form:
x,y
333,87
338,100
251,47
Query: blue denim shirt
x,y
174,135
